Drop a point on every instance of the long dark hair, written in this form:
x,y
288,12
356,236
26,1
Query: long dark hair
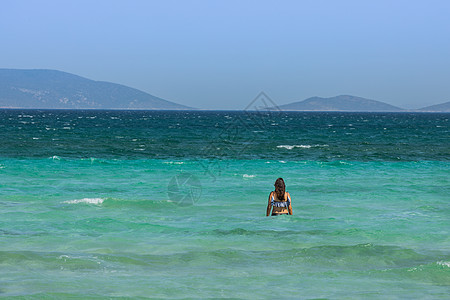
x,y
280,188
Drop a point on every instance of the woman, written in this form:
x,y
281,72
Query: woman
x,y
279,200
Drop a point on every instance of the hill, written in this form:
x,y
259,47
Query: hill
x,y
443,107
55,89
339,103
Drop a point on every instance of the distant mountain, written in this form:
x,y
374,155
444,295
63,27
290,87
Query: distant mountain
x,y
56,89
339,103
443,107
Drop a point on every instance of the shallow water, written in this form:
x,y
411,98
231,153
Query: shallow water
x,y
172,205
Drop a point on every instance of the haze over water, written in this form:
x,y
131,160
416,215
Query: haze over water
x,y
172,204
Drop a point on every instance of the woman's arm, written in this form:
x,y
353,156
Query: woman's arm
x,y
290,204
269,205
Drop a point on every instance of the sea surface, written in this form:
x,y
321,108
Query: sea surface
x,y
161,204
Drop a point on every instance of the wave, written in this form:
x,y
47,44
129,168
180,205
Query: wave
x,y
51,260
144,204
290,147
444,263
174,162
267,233
107,202
362,257
432,272
112,202
95,201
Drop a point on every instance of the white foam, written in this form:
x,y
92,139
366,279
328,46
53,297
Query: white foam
x,y
290,147
86,200
444,263
248,176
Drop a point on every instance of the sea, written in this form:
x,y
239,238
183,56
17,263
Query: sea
x,y
109,204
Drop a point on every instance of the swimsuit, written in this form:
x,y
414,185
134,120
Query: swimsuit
x,y
279,214
280,203
284,204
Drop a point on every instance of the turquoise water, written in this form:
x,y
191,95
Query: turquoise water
x,y
105,204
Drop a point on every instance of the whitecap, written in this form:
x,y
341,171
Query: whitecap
x,y
444,263
290,147
248,176
86,200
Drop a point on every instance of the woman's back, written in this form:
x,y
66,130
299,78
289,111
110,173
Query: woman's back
x,y
279,200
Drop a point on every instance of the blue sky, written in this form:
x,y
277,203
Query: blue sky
x,y
221,54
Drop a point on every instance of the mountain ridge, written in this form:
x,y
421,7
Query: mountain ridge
x,y
441,107
339,103
353,103
52,89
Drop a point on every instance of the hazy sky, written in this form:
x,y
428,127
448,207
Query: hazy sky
x,y
221,54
